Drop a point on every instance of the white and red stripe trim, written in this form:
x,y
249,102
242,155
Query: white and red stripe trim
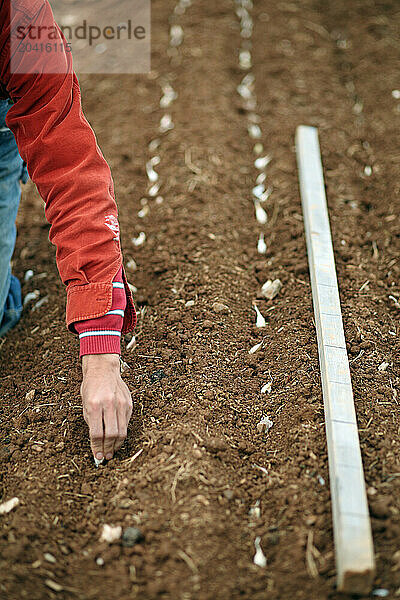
x,y
103,335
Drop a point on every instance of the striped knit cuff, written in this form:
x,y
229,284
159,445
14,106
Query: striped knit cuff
x,y
103,335
100,342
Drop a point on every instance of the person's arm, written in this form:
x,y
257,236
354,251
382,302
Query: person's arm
x,y
74,180
100,347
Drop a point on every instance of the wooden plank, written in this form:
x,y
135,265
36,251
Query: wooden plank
x,y
354,550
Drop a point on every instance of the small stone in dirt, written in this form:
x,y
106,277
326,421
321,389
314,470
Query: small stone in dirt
x,y
157,375
220,308
30,395
132,536
207,324
381,593
49,557
383,366
53,585
229,494
37,448
125,503
215,445
8,506
100,561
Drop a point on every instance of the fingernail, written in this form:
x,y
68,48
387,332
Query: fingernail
x,y
99,455
109,456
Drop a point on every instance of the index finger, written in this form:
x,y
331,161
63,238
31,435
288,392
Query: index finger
x,y
96,432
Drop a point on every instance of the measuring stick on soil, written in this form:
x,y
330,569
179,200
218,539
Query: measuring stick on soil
x,y
351,524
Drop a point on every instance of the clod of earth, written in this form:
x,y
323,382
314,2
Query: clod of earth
x,y
215,445
157,375
229,494
380,507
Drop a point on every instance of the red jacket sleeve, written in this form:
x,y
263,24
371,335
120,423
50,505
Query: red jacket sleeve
x,y
65,163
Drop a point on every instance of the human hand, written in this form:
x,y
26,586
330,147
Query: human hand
x,y
107,403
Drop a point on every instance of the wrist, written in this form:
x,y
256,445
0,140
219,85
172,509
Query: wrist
x,y
100,362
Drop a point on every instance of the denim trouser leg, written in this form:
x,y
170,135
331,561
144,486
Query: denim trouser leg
x,y
11,173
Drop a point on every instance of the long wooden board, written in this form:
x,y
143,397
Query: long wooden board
x,y
354,550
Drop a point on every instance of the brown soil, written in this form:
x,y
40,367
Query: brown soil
x,y
191,490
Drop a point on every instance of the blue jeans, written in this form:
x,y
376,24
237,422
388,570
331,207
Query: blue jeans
x,y
12,171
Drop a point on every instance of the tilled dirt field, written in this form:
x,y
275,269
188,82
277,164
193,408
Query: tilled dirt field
x,y
196,490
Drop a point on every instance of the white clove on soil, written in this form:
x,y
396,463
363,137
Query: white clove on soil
x,y
260,321
138,241
270,289
259,558
110,533
261,215
261,245
264,424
